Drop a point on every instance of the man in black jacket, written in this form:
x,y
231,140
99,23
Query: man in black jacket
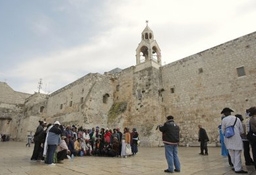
x,y
203,139
171,136
37,143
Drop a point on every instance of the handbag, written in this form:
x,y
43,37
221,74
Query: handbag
x,y
229,131
128,149
138,142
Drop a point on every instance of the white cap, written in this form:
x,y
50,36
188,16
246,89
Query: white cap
x,y
56,123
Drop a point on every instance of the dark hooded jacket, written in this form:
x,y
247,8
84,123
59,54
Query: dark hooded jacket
x,y
171,132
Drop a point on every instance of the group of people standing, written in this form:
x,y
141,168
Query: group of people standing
x,y
46,139
54,142
244,136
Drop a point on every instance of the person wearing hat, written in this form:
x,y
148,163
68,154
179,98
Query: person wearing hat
x,y
53,139
203,139
171,136
234,144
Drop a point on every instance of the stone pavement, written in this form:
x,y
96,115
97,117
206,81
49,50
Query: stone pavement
x,y
15,160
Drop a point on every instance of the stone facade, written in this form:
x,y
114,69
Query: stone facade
x,y
11,110
206,82
194,90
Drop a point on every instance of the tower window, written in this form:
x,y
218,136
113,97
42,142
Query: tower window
x,y
82,100
61,106
70,103
240,71
146,36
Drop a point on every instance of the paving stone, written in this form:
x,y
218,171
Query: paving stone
x,y
15,160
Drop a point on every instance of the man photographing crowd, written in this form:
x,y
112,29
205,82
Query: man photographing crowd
x,y
171,135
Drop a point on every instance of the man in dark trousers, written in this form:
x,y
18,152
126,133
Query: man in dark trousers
x,y
37,144
203,139
171,137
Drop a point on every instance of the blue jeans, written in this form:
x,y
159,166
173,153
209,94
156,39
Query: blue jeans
x,y
50,153
171,155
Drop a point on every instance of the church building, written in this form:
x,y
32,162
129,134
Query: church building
x,y
193,89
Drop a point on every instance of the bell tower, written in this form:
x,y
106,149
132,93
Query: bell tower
x,y
148,53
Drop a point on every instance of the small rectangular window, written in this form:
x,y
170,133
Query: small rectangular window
x,y
172,90
70,103
82,99
61,106
240,71
200,70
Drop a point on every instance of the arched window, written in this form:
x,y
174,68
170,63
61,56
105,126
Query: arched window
x,y
143,54
146,36
150,35
155,54
105,98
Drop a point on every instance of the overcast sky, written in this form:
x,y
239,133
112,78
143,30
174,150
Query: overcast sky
x,y
61,41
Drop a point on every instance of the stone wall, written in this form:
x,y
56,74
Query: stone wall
x,y
8,95
81,102
207,82
11,110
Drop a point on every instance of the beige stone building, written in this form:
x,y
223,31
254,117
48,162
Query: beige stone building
x,y
194,90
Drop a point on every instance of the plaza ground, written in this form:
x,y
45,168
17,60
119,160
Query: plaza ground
x,y
15,160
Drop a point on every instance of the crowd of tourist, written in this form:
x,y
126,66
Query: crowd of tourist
x,y
242,137
55,142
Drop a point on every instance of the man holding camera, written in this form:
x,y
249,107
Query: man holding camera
x,y
171,135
